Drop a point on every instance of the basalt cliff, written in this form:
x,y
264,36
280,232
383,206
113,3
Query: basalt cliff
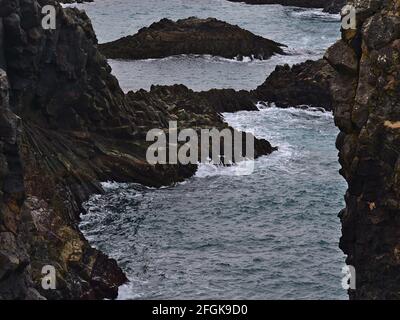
x,y
65,126
366,100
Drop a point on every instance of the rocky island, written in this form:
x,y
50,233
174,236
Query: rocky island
x,y
191,36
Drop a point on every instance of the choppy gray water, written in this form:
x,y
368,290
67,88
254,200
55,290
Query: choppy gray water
x,y
273,234
307,33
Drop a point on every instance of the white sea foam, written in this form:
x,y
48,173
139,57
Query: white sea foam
x,y
314,14
207,57
240,169
112,185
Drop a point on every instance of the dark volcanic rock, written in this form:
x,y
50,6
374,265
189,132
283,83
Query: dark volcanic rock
x,y
65,125
229,100
366,96
191,36
306,83
331,6
15,280
190,109
334,6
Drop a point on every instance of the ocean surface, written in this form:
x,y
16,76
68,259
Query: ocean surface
x,y
269,235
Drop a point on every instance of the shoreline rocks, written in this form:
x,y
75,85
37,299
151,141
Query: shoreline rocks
x,y
304,84
191,36
307,83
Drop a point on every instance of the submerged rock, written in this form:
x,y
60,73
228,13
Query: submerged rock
x,y
191,36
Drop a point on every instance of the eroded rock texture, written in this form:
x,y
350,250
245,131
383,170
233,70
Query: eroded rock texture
x,y
191,36
65,125
367,111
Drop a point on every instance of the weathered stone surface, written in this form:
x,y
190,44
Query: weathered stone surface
x,y
342,57
367,112
14,258
191,36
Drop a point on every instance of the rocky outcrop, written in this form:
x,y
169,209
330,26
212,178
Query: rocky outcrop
x,y
366,96
191,36
307,83
65,126
331,6
190,109
229,100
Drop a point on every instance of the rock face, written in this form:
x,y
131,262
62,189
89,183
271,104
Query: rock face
x,y
15,280
331,6
65,125
191,36
367,111
307,83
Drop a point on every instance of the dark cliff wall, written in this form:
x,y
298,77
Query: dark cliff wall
x,y
42,182
367,111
